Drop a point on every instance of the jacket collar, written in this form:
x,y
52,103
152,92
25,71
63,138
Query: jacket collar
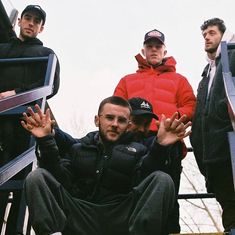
x,y
168,64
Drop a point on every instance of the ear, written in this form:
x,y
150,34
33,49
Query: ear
x,y
19,21
97,120
165,52
129,126
41,29
143,51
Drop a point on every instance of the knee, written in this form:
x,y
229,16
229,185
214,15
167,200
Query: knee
x,y
36,177
163,178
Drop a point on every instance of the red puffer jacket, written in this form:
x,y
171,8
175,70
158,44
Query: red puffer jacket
x,y
167,90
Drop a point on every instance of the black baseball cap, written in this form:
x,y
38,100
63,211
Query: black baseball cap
x,y
141,106
154,34
37,9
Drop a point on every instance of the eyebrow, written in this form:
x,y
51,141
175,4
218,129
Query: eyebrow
x,y
37,17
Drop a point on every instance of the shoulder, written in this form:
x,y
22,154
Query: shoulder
x,y
4,48
130,76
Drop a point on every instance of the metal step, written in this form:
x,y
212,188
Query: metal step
x,y
198,233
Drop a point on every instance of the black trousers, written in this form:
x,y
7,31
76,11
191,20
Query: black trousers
x,y
144,211
220,182
172,165
174,169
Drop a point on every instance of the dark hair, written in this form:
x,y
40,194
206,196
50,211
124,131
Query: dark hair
x,y
214,22
117,100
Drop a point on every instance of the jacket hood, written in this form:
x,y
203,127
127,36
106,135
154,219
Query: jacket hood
x,y
168,64
228,37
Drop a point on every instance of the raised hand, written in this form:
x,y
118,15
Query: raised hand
x,y
38,123
172,129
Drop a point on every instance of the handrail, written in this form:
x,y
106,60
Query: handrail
x,y
23,98
229,85
13,103
23,60
11,168
196,195
17,100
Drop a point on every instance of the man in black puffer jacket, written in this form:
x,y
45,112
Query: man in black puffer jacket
x,y
16,78
107,183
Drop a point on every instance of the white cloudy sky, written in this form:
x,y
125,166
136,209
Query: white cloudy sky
x,y
96,42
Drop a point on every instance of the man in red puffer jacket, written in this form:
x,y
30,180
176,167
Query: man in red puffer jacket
x,y
156,81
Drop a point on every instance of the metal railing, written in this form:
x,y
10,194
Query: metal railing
x,y
229,84
15,104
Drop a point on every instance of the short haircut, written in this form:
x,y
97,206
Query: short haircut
x,y
116,100
214,22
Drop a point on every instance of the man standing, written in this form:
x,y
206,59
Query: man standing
x,y
156,80
104,185
21,77
16,78
212,123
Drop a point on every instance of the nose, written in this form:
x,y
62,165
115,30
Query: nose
x,y
115,122
206,37
31,22
154,48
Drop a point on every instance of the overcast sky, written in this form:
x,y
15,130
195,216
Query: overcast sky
x,y
96,42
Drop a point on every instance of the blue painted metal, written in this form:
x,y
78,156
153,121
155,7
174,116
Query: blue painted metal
x,y
11,103
14,104
229,81
229,84
17,104
232,232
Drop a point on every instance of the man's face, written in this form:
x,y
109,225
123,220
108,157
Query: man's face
x,y
212,37
140,125
154,51
30,25
113,122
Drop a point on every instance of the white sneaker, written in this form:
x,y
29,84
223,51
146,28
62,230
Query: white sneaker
x,y
57,233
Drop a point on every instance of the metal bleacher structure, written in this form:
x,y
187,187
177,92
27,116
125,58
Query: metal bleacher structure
x,y
19,103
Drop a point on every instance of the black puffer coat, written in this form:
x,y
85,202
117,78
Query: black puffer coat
x,y
89,172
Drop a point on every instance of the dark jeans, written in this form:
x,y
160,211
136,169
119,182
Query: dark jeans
x,y
173,167
144,211
220,182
